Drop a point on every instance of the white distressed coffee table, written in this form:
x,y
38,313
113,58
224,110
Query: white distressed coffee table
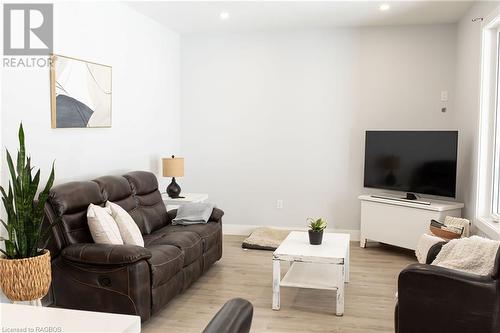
x,y
324,266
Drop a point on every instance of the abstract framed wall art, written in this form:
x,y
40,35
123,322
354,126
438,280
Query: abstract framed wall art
x,y
80,93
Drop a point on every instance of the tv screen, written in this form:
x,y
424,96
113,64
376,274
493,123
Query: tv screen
x,y
412,161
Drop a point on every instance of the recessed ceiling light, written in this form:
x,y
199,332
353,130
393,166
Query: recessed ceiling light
x,y
224,15
383,7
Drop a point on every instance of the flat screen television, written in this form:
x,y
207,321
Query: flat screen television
x,y
412,161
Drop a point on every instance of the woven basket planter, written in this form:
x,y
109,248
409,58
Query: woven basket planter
x,y
25,279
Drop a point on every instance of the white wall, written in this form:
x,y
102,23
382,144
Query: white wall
x,y
468,74
282,114
145,106
144,56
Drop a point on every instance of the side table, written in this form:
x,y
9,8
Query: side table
x,y
174,203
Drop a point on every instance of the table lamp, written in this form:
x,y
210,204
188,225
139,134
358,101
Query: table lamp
x,y
173,167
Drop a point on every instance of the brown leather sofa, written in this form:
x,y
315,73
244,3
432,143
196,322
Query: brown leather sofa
x,y
435,299
125,278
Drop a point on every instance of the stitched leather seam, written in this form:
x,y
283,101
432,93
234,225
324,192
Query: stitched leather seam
x,y
139,194
61,232
151,241
128,281
188,247
215,232
109,254
169,279
140,204
207,238
80,255
74,265
166,262
75,230
80,260
102,264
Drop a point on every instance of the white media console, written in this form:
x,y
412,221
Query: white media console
x,y
401,222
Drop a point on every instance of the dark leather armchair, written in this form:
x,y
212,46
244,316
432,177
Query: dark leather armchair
x,y
436,299
234,317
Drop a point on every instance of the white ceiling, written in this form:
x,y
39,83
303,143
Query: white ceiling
x,y
200,16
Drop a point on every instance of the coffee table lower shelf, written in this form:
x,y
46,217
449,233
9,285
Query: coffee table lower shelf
x,y
312,276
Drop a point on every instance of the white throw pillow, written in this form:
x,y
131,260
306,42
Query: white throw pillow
x,y
102,225
128,229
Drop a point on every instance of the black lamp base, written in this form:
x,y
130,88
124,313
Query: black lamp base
x,y
174,190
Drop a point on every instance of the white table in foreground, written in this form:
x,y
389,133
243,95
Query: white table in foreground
x,y
324,266
25,318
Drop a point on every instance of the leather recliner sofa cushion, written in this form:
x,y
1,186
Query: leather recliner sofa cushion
x,y
209,232
165,262
117,189
188,242
69,202
151,211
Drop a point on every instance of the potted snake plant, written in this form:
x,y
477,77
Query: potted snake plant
x,y
24,262
316,228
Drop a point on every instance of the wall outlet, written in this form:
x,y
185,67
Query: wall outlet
x,y
444,96
279,204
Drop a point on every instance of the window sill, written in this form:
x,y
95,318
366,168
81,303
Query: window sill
x,y
489,227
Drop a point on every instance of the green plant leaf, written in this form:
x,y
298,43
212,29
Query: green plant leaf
x,y
44,195
22,150
12,170
45,237
24,215
5,254
317,224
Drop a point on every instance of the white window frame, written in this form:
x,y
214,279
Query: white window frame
x,y
487,209
495,86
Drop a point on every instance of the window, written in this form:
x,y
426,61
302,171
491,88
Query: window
x,y
495,205
488,168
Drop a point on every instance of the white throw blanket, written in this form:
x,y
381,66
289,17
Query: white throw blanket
x,y
424,244
472,255
193,213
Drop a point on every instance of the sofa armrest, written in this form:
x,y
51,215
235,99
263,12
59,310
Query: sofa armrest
x,y
433,252
171,214
438,299
215,217
235,316
104,254
438,274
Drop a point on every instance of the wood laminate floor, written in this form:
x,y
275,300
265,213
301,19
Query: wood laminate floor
x,y
369,303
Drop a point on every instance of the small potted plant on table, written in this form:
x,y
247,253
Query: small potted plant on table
x,y
25,273
316,228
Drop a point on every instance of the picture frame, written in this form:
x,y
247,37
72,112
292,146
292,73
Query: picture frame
x,y
81,93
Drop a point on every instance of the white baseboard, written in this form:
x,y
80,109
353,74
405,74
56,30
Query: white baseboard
x,y
247,229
